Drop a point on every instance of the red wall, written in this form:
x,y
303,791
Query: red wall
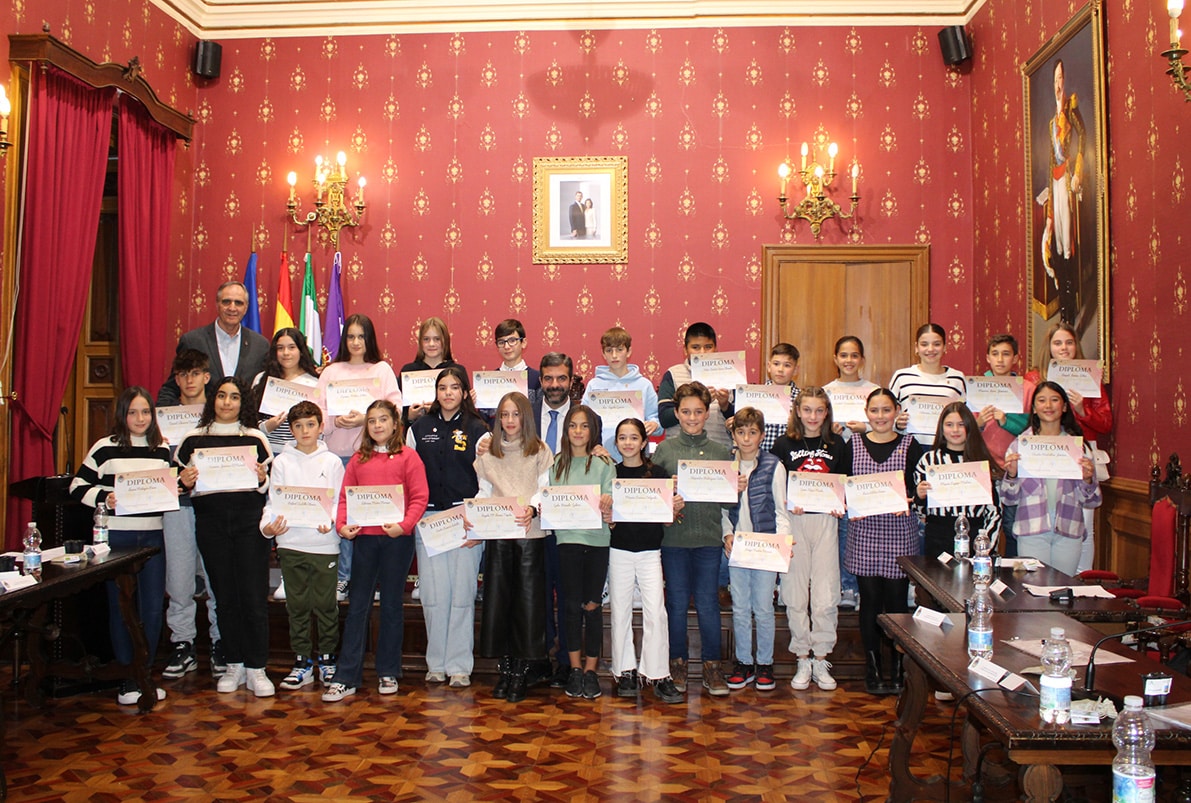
x,y
1148,211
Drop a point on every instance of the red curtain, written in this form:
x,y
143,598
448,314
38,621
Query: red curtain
x,y
69,129
145,176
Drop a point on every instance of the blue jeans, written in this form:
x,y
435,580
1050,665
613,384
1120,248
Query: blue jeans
x,y
693,572
1008,539
386,560
150,595
752,600
847,580
344,571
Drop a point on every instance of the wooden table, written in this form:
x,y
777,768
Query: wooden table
x,y
937,655
949,584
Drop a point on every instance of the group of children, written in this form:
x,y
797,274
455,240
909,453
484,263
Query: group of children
x,y
537,587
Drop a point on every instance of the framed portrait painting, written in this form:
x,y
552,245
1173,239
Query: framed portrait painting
x,y
1067,188
580,209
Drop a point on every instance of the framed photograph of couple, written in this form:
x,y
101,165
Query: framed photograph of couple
x,y
580,209
1067,188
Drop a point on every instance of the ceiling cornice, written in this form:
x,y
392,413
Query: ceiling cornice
x,y
257,19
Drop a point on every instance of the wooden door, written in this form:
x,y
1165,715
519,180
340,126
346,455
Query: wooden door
x,y
813,295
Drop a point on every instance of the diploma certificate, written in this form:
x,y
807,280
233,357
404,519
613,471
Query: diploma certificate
x,y
303,506
225,468
708,481
721,369
871,494
1080,376
764,551
643,500
491,386
418,387
772,401
924,414
614,406
1006,393
1050,457
959,485
175,422
375,505
442,532
847,405
152,491
815,492
280,395
352,395
494,518
571,507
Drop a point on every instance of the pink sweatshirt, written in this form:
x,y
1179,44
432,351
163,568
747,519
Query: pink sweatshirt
x,y
344,442
404,468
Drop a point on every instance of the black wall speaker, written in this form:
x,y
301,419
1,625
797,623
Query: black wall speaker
x,y
207,56
953,42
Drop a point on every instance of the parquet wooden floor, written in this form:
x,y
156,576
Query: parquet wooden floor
x,y
435,743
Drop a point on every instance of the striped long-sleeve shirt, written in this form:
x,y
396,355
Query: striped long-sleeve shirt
x,y
940,522
96,477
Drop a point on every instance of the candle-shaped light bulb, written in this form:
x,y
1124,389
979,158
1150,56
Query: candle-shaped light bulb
x,y
5,105
360,195
832,150
341,158
783,171
805,150
855,174
292,180
1175,9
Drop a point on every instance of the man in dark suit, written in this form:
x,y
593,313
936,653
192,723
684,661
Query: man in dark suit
x,y
577,218
233,350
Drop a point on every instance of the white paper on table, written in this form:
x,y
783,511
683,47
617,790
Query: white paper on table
x,y
614,406
765,552
11,581
720,369
174,422
924,412
873,494
280,396
848,405
1050,456
151,491
1080,651
348,396
494,517
374,505
959,485
1094,592
772,401
442,532
1006,393
1081,376
708,481
225,468
492,386
304,506
571,507
1177,715
419,387
815,492
643,500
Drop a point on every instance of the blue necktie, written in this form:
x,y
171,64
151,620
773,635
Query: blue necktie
x,y
552,431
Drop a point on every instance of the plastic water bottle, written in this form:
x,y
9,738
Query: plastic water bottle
x,y
1133,777
1054,704
31,562
962,529
99,524
980,632
982,561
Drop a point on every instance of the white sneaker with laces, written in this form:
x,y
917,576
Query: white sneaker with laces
x,y
821,675
337,691
258,682
387,685
232,679
802,677
847,598
279,592
341,590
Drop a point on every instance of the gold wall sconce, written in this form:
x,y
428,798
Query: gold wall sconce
x,y
331,210
1177,72
815,177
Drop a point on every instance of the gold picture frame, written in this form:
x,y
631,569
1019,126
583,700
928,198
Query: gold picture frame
x,y
1067,254
581,209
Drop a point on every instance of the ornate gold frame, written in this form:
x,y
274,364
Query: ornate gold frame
x,y
610,175
1069,44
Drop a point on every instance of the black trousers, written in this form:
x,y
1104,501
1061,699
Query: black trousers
x,y
237,559
513,619
879,595
584,570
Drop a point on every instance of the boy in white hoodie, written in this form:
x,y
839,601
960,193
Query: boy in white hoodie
x,y
620,375
309,555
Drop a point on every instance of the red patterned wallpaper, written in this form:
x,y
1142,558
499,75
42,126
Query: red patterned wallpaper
x,y
1148,209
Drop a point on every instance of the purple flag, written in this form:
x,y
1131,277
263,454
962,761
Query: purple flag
x,y
335,316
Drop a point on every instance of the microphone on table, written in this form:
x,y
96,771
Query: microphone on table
x,y
1090,673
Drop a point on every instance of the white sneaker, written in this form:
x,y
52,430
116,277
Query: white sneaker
x,y
460,681
802,677
847,598
417,592
258,683
232,679
436,677
387,685
337,691
279,592
821,676
341,590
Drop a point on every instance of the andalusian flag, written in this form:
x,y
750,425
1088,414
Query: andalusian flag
x,y
309,321
252,318
283,316
334,308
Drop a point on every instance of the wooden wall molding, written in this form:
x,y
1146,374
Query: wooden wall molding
x,y
1123,528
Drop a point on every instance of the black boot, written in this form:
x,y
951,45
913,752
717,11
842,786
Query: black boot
x,y
501,690
517,681
873,682
897,680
